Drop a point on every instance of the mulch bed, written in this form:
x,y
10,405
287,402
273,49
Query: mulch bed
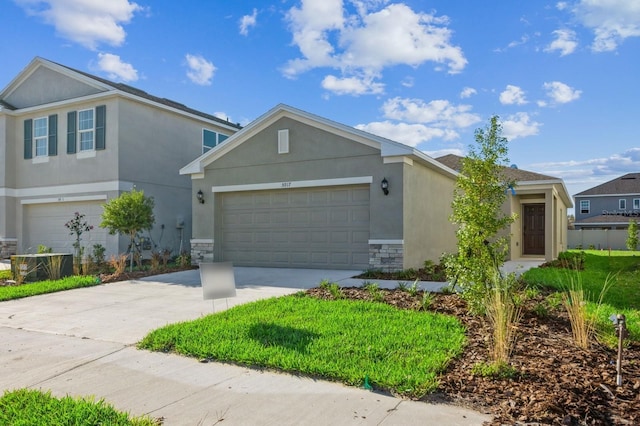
x,y
555,384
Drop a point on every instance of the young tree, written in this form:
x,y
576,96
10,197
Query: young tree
x,y
632,235
477,210
128,214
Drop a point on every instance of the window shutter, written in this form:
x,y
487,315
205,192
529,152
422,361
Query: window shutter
x,y
71,132
53,135
28,139
101,115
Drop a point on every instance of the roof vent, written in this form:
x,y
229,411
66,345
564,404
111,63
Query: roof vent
x,y
514,166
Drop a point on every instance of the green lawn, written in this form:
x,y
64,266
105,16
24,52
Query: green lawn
x,y
621,267
42,287
24,407
349,341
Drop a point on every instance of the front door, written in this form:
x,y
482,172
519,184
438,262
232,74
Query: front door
x,y
533,229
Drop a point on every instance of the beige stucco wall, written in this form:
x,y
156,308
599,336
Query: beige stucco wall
x,y
428,232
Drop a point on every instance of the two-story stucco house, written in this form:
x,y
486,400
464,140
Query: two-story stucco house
x,y
71,141
610,205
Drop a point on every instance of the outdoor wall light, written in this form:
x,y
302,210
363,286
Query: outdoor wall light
x,y
385,186
200,196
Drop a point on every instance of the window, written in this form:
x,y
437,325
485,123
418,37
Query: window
x,y
210,139
283,141
41,136
85,129
636,203
622,204
585,206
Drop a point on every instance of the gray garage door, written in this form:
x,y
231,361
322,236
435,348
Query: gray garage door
x,y
297,228
44,224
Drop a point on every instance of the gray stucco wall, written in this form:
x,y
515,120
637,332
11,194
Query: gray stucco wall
x,y
601,204
428,233
47,86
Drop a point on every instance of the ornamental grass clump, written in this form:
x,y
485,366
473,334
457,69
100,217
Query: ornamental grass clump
x,y
504,314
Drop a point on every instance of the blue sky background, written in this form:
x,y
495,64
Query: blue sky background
x,y
562,76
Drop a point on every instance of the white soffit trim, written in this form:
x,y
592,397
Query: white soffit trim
x,y
294,184
64,199
401,242
398,159
73,189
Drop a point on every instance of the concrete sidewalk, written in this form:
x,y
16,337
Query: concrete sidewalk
x,y
82,342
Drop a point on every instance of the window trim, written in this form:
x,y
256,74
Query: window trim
x,y
219,138
44,138
92,130
622,204
584,210
636,203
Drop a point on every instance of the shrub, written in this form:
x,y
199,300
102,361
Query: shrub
x,y
118,263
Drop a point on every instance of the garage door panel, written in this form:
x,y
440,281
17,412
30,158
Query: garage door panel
x,y
44,224
318,227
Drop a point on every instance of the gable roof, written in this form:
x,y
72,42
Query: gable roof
x,y
103,85
387,147
626,184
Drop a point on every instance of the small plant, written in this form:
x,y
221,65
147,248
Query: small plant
x,y
632,235
427,300
183,260
53,267
166,255
402,286
43,249
156,260
118,263
336,291
324,284
78,226
583,324
496,370
374,291
503,313
98,254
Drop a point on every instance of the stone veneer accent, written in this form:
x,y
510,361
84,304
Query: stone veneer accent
x,y
388,257
201,251
8,247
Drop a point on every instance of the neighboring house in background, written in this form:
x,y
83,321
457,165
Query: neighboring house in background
x,y
610,205
293,189
541,203
71,141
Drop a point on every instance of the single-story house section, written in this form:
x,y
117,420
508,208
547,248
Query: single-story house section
x,y
541,203
293,189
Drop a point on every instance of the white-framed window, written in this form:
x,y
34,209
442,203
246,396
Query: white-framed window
x,y
622,204
210,139
86,129
636,203
585,206
41,136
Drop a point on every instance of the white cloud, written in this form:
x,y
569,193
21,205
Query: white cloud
x,y
87,22
352,85
200,70
408,134
367,41
513,95
115,68
519,125
612,21
560,93
565,42
440,113
248,21
467,92
561,5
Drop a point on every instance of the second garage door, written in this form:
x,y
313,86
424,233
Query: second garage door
x,y
297,228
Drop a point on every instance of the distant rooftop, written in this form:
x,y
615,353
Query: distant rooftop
x,y
627,184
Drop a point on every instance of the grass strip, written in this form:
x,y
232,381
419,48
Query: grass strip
x,y
43,287
25,407
348,341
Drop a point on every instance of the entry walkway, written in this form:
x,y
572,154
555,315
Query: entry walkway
x,y
82,342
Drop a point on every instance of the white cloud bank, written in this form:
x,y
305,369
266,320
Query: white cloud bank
x,y
561,93
200,70
86,22
565,42
612,21
519,125
513,95
115,68
362,43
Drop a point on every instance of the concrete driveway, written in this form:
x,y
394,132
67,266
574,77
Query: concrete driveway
x,y
82,342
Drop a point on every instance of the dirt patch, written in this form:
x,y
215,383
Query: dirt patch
x,y
556,383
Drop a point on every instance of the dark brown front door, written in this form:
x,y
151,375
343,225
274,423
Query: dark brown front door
x,y
533,229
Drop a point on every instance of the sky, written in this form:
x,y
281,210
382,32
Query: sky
x,y
562,76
